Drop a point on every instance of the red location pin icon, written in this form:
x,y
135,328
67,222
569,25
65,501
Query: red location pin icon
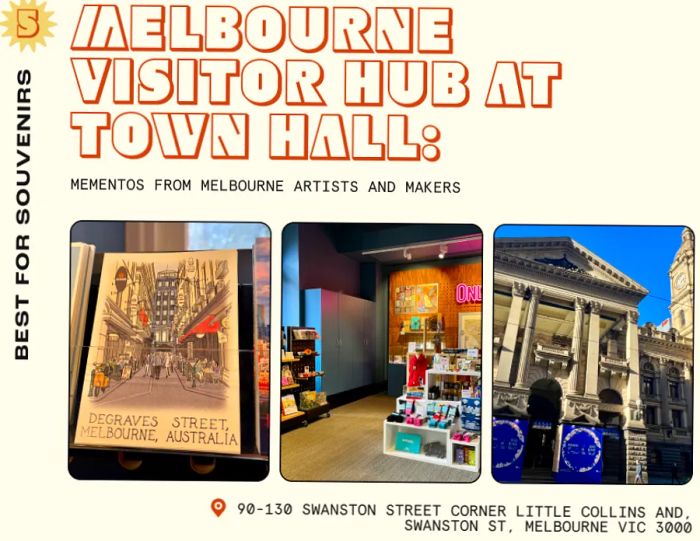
x,y
218,506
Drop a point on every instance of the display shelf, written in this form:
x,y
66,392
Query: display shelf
x,y
440,401
435,434
299,341
318,411
466,467
292,416
466,443
420,427
310,377
472,373
417,456
293,420
429,435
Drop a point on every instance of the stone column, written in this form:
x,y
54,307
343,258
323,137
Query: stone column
x,y
635,432
636,450
664,414
535,294
510,337
579,306
593,357
632,354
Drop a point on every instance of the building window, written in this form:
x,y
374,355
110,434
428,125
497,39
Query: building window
x,y
648,385
674,390
681,317
650,415
677,418
655,457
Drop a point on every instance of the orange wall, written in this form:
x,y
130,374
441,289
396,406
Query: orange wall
x,y
447,278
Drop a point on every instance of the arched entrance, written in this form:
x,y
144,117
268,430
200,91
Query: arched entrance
x,y
612,418
544,409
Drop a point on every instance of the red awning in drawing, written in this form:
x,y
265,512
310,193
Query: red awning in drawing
x,y
207,326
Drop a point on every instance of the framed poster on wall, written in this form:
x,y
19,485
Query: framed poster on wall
x,y
416,299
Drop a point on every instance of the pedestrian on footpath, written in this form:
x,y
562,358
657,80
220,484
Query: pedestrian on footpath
x,y
638,473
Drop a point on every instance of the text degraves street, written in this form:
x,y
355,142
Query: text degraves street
x,y
182,429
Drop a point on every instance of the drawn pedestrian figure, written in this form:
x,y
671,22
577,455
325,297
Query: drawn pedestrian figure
x,y
101,379
91,391
157,365
217,373
197,370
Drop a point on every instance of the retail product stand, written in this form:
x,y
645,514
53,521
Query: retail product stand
x,y
468,450
305,373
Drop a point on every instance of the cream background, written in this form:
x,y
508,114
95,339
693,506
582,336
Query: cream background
x,y
619,146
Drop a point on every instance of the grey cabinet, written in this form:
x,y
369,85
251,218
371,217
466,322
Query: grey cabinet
x,y
369,351
347,346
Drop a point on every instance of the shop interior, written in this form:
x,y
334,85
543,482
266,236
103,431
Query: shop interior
x,y
381,352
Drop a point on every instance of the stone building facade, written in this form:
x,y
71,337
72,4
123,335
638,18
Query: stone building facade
x,y
568,348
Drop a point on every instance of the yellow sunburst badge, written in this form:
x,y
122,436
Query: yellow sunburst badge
x,y
28,24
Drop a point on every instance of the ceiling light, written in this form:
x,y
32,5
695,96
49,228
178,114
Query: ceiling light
x,y
443,251
420,245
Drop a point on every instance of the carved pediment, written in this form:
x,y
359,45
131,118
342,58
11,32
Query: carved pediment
x,y
510,403
582,411
565,255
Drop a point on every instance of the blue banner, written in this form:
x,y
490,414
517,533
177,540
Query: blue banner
x,y
580,455
509,436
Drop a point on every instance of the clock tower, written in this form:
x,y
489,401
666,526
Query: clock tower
x,y
682,286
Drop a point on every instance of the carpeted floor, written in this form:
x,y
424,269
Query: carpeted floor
x,y
348,447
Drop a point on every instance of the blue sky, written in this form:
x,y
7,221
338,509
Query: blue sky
x,y
644,253
211,236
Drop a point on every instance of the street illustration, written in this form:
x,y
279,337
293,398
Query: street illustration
x,y
164,345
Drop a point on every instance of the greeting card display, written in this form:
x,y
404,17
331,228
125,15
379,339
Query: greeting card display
x,y
287,376
163,365
289,405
